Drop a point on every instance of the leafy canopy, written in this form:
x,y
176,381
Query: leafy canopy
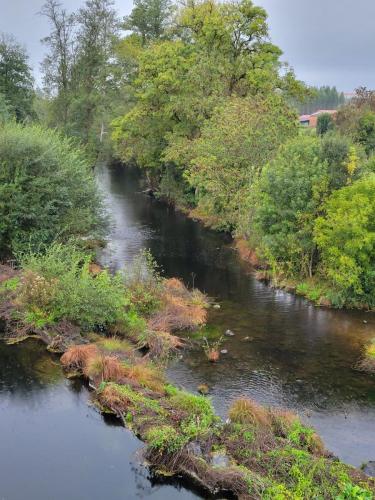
x,y
47,190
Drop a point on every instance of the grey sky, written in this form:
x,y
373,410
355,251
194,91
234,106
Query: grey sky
x,y
326,41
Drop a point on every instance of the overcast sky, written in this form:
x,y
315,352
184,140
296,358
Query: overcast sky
x,y
328,42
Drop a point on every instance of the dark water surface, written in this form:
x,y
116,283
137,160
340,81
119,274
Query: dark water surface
x,y
54,446
298,356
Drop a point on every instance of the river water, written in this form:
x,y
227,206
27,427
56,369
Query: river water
x,y
54,445
297,356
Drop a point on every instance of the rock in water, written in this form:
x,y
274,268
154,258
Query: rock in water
x,y
229,333
203,389
369,468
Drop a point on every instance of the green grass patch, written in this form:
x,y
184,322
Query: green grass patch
x,y
165,438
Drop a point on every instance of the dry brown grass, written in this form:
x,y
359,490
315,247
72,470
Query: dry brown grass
x,y
111,398
147,376
183,309
105,369
77,356
161,344
316,445
246,411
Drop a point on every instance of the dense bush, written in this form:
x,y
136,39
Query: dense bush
x,y
288,198
47,190
346,239
58,285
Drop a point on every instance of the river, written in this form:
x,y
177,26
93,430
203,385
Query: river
x,y
54,445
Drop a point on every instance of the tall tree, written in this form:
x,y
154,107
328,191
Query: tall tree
x,y
57,65
93,75
16,81
149,19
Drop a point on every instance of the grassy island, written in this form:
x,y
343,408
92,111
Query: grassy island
x,y
118,332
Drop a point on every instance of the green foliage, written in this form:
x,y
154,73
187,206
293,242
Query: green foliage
x,y
5,113
324,124
10,285
47,190
346,239
233,146
366,131
218,50
149,18
58,285
301,475
194,404
288,199
165,438
16,82
144,283
321,98
354,492
82,76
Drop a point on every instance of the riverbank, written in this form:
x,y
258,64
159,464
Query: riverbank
x,y
249,456
314,289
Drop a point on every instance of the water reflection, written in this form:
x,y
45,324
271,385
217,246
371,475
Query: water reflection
x,y
54,446
299,356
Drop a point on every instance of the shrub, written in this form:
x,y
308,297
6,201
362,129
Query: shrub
x,y
241,136
324,124
144,283
165,439
346,239
59,282
47,190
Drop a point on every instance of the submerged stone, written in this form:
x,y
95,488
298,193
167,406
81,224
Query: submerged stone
x,y
369,468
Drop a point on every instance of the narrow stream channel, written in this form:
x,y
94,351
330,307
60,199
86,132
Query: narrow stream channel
x,y
54,445
297,355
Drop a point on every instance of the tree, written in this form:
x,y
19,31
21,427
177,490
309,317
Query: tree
x,y
241,136
321,98
47,190
345,236
149,19
288,198
366,131
217,51
4,110
81,73
324,124
16,82
58,64
93,78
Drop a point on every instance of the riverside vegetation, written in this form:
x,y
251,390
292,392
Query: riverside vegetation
x,y
117,332
197,96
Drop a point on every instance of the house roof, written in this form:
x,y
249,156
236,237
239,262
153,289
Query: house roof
x,y
304,118
323,111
